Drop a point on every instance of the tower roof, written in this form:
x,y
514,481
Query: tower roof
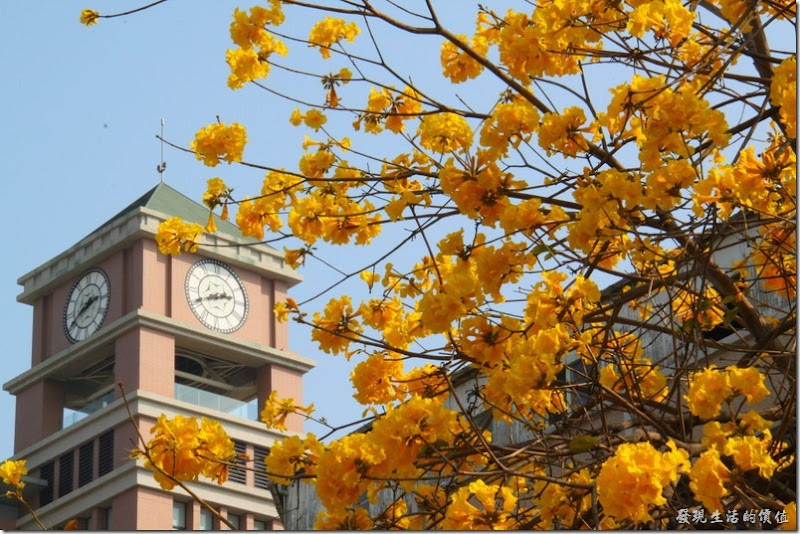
x,y
165,199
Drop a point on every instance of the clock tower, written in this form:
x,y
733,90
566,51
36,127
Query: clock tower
x,y
192,335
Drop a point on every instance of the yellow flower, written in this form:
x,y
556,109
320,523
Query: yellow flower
x,y
405,106
357,519
315,119
216,192
175,235
751,452
748,381
509,124
458,65
296,118
89,17
248,30
215,444
563,132
210,226
493,513
783,93
708,389
253,216
276,411
286,457
12,472
335,326
753,422
445,132
708,478
706,310
666,17
715,434
330,31
370,277
632,481
341,469
246,65
791,516
378,379
185,450
219,141
562,503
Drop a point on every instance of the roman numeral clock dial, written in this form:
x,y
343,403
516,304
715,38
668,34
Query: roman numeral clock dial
x,y
216,296
87,305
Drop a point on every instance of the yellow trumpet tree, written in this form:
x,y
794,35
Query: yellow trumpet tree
x,y
583,309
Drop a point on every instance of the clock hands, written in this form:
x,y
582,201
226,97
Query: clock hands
x,y
86,306
214,296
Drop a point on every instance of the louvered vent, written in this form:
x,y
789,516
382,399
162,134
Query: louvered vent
x,y
238,475
106,457
47,472
66,471
85,464
261,480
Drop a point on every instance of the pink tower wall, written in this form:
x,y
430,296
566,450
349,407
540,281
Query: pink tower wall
x,y
39,413
145,359
142,509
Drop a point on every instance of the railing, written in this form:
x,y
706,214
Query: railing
x,y
220,403
206,399
73,416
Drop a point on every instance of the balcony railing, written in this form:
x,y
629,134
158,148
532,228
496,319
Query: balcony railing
x,y
206,399
220,403
73,416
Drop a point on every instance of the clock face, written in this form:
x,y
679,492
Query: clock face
x,y
87,305
216,296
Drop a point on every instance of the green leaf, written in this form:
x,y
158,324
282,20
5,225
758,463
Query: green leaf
x,y
582,443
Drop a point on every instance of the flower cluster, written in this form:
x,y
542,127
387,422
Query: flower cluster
x,y
711,387
12,472
175,236
632,481
182,450
219,141
330,31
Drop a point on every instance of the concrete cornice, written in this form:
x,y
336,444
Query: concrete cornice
x,y
143,223
61,366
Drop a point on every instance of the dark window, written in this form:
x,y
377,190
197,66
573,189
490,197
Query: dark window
x,y
85,464
46,473
105,518
66,469
178,515
206,519
234,474
261,479
106,449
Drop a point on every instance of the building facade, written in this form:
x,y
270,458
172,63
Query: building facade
x,y
192,335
